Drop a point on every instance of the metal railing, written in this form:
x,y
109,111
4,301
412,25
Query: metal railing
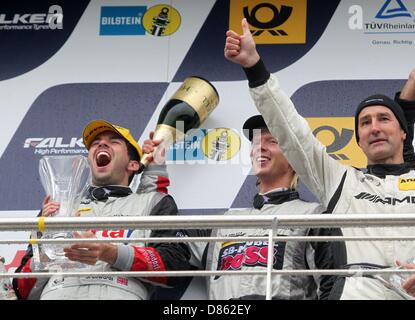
x,y
211,222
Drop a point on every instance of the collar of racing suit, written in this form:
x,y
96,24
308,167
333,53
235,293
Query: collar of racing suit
x,y
276,197
104,192
382,170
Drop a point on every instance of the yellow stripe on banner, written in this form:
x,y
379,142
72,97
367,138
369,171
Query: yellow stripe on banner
x,y
33,241
41,224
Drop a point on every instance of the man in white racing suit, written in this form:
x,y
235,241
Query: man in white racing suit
x,y
276,183
385,187
114,157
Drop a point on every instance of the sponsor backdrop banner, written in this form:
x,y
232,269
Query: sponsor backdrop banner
x,y
65,63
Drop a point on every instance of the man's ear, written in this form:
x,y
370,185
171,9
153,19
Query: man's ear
x,y
133,165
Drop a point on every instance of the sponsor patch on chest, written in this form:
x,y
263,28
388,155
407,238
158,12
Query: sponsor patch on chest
x,y
407,184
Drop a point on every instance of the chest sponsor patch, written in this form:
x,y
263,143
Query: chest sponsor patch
x,y
406,184
113,233
239,255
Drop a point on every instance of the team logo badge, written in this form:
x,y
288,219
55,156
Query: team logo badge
x,y
271,22
337,134
161,20
221,144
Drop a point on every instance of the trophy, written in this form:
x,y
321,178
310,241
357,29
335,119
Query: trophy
x,y
189,106
65,179
395,281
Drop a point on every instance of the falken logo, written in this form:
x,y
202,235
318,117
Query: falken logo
x,y
55,145
393,9
387,200
33,21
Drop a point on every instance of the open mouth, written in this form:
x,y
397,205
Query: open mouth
x,y
262,159
103,158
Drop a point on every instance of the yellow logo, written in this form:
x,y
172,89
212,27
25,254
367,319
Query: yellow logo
x,y
337,134
221,144
406,184
161,20
271,23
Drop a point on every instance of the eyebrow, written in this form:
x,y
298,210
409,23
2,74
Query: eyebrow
x,y
112,135
383,113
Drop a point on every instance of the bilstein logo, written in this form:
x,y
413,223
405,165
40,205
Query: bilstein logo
x,y
221,144
55,145
337,134
284,22
161,20
218,144
33,21
125,20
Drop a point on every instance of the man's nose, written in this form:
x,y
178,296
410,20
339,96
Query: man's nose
x,y
375,127
103,142
260,147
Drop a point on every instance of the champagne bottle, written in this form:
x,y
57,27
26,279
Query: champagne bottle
x,y
187,109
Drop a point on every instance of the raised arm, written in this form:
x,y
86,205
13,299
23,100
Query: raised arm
x,y
241,49
155,177
304,152
406,98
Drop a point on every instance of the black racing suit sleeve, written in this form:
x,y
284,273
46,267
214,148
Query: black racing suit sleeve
x,y
27,256
408,107
257,75
327,255
199,250
175,255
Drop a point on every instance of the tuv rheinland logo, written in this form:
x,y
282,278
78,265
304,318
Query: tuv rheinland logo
x,y
393,17
393,9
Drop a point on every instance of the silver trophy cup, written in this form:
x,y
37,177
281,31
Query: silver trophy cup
x,y
65,179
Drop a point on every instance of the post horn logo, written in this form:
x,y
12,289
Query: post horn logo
x,y
340,140
278,18
337,134
271,22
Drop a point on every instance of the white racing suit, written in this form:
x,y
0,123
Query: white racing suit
x,y
252,255
148,200
344,189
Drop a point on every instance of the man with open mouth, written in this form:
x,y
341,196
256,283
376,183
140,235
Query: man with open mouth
x,y
114,158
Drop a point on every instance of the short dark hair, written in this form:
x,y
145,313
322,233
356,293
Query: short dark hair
x,y
256,122
132,155
382,100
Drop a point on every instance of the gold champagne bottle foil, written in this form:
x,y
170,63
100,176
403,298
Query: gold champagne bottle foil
x,y
199,94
